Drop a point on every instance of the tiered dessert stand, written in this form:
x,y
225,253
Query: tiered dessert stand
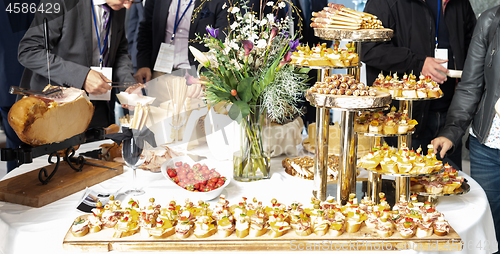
x,y
346,180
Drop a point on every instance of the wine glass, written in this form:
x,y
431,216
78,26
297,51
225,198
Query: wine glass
x,y
132,155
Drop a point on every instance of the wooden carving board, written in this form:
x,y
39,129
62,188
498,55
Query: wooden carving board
x,y
27,190
364,239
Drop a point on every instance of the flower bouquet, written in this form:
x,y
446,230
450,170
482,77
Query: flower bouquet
x,y
250,70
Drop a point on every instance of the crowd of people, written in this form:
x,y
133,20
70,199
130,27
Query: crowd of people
x,y
430,38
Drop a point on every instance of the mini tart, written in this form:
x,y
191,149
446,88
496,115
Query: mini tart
x,y
390,128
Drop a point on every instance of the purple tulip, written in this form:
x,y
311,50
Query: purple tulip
x,y
213,32
248,46
293,45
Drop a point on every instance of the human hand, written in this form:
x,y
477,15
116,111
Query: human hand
x,y
143,73
96,83
432,67
443,144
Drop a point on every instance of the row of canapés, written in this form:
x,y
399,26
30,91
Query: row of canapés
x,y
252,219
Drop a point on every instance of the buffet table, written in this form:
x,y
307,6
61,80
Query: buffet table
x,y
41,230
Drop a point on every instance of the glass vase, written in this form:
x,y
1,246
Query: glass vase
x,y
251,161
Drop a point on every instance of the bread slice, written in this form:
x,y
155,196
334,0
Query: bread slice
x,y
224,233
81,233
242,233
205,234
305,232
257,232
352,226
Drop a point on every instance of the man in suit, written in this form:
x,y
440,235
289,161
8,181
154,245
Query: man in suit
x,y
13,29
159,22
134,19
74,47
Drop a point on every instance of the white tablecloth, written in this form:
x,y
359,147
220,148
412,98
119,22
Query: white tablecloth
x,y
41,230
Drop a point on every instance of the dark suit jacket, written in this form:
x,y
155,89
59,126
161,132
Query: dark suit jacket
x,y
152,27
12,31
135,17
70,33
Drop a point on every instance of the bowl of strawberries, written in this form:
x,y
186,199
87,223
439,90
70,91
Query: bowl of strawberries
x,y
200,178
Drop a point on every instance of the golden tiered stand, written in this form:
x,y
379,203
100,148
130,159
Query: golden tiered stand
x,y
346,182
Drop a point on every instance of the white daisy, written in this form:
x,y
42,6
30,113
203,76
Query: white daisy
x,y
282,5
263,22
270,3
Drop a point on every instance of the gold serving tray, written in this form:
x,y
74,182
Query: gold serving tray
x,y
384,34
463,189
381,99
364,239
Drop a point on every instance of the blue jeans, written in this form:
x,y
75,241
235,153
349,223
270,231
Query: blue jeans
x,y
485,169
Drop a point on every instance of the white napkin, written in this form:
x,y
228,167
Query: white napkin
x,y
133,99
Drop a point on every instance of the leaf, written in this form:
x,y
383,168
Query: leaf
x,y
269,77
303,70
244,89
230,79
238,111
221,94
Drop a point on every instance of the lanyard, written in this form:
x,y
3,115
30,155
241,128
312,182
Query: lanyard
x,y
98,38
177,19
437,22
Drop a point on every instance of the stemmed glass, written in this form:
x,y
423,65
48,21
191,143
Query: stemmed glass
x,y
132,155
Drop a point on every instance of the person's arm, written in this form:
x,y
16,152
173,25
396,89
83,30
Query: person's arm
x,y
469,91
386,55
122,67
145,43
133,19
32,53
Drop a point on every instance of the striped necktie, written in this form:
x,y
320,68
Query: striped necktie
x,y
106,23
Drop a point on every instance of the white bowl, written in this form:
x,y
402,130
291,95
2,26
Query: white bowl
x,y
205,196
